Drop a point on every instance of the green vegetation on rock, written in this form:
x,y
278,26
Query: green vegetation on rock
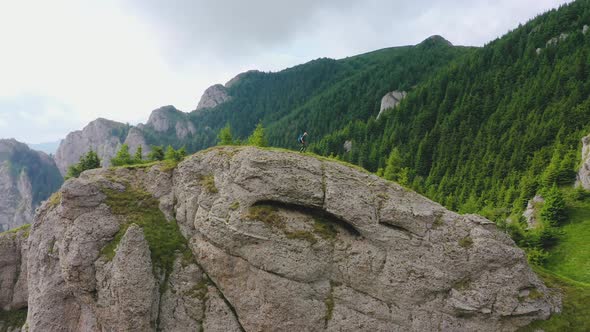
x,y
575,315
141,208
13,319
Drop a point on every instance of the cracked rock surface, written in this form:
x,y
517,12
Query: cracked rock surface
x,y
279,241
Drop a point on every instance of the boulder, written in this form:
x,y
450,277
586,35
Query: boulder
x,y
275,241
391,100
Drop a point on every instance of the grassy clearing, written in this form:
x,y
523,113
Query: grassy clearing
x,y
141,208
575,315
12,319
571,256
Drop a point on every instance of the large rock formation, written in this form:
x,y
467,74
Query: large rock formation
x,y
101,135
13,269
532,211
213,96
26,178
168,119
391,100
136,139
13,279
276,241
583,177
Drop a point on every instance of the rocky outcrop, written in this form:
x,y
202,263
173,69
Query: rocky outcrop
x,y
168,118
26,178
531,212
136,139
391,100
101,135
13,269
213,96
275,241
583,177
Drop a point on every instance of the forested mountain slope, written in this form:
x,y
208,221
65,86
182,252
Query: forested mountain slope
x,y
320,96
486,132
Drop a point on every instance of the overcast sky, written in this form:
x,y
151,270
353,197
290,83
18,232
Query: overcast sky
x,y
64,63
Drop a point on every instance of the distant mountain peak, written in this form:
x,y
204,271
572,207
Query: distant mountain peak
x,y
436,39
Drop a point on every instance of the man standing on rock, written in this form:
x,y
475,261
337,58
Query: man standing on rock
x,y
301,140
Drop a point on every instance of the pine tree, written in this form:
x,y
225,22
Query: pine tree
x,y
123,157
258,138
88,161
138,157
225,136
156,154
553,211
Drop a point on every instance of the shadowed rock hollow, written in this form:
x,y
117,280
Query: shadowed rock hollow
x,y
274,241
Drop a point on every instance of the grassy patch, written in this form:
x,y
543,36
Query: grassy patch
x,y
55,199
466,242
462,284
438,220
26,228
199,290
324,228
575,315
234,206
13,318
301,235
141,208
329,302
168,165
208,182
267,214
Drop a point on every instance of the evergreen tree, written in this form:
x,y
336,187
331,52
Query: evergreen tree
x,y
553,211
138,157
225,136
123,157
88,161
157,153
258,138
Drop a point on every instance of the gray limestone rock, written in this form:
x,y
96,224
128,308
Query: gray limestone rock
x,y
168,118
532,209
13,269
213,96
136,139
281,241
101,135
391,100
583,177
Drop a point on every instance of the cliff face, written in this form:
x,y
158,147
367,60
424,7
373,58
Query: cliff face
x,y
269,241
168,118
13,279
26,178
213,96
101,135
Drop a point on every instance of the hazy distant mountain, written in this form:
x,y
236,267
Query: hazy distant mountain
x,y
27,177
